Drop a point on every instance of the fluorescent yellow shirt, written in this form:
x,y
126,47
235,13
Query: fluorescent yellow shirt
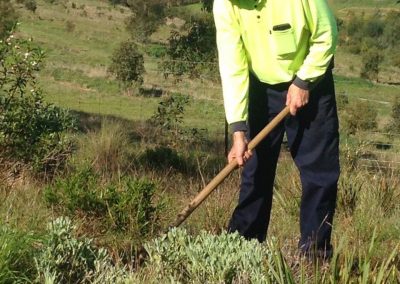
x,y
277,40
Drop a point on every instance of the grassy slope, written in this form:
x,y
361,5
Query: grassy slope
x,y
76,72
75,76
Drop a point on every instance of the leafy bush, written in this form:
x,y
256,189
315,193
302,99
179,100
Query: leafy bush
x,y
359,116
169,115
374,26
125,205
127,64
394,124
30,5
65,259
31,131
8,18
372,58
206,258
168,120
16,256
194,52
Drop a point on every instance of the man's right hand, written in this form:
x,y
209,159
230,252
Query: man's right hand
x,y
239,149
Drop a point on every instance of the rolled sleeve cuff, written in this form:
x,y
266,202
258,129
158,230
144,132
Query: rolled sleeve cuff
x,y
238,126
302,84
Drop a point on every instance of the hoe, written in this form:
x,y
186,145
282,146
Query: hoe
x,y
220,177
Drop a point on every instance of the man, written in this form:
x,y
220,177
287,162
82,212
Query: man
x,y
274,53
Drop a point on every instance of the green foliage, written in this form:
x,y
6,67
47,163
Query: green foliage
x,y
374,26
156,50
31,130
194,52
359,115
392,29
372,58
207,5
169,115
124,205
163,157
394,124
16,256
8,18
168,120
127,64
30,5
65,259
206,258
147,16
376,37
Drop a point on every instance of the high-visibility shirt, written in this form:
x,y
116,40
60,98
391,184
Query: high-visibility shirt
x,y
277,40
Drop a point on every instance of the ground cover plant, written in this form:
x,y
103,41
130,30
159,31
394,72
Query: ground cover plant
x,y
138,158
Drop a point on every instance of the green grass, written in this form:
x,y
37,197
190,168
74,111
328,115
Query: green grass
x,y
75,76
342,4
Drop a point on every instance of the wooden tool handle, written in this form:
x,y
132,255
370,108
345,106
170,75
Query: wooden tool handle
x,y
220,177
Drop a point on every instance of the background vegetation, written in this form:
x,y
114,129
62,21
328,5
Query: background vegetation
x,y
111,120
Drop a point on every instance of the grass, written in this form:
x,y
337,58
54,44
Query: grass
x,y
114,141
346,4
76,76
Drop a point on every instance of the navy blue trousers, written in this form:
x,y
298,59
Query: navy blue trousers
x,y
313,139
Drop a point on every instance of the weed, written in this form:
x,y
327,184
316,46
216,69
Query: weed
x,y
16,255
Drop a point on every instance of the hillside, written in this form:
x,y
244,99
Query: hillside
x,y
132,160
79,43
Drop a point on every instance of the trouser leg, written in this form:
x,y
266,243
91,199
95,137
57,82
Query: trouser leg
x,y
314,142
251,216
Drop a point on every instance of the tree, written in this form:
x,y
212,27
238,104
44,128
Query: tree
x,y
193,53
127,64
147,16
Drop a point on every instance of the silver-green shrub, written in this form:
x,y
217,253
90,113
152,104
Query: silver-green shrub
x,y
205,258
65,259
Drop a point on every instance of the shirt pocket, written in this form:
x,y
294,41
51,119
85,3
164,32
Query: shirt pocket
x,y
283,39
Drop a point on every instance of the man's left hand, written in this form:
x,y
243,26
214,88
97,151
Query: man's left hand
x,y
296,98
